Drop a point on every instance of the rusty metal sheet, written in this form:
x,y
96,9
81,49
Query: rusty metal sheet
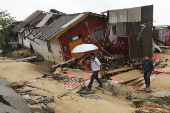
x,y
147,13
147,45
150,13
135,46
141,43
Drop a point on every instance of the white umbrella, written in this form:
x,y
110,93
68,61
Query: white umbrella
x,y
84,48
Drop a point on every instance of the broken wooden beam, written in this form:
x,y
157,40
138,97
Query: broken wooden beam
x,y
156,39
165,47
157,47
120,70
63,63
27,58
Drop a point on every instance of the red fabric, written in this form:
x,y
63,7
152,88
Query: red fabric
x,y
86,68
81,61
157,56
49,77
88,75
116,79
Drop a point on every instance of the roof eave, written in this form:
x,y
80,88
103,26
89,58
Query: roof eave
x,y
69,27
72,25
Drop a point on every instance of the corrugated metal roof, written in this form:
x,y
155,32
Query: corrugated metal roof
x,y
26,21
50,31
44,20
39,18
32,16
72,21
19,26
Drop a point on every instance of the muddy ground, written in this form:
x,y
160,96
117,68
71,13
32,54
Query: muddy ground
x,y
73,103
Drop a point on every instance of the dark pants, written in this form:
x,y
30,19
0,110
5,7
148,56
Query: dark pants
x,y
94,76
147,75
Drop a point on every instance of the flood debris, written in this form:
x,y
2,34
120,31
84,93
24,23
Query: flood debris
x,y
86,92
34,94
17,86
26,58
23,91
47,100
37,110
137,102
90,96
30,101
47,109
10,101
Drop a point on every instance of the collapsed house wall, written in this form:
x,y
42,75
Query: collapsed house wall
x,y
24,41
53,55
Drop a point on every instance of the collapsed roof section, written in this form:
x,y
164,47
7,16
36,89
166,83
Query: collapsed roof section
x,y
61,25
50,31
49,26
22,24
38,19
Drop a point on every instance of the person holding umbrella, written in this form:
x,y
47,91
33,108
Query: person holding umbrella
x,y
96,67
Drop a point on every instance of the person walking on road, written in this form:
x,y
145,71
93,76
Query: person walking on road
x,y
147,68
96,67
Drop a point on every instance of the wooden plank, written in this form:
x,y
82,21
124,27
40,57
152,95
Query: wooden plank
x,y
157,47
144,14
28,58
166,47
119,70
150,13
63,63
161,42
143,81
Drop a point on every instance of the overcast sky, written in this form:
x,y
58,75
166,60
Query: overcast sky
x,y
22,8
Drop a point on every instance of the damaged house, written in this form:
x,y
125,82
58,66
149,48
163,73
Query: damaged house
x,y
54,34
130,31
162,35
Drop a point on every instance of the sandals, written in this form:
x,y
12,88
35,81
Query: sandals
x,y
148,90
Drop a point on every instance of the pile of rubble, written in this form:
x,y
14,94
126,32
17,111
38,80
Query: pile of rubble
x,y
33,98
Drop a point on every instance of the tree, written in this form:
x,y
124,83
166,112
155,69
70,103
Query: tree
x,y
6,25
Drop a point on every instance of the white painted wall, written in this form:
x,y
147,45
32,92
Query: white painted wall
x,y
42,49
26,42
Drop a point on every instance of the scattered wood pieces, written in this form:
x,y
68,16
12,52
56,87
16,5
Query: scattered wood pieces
x,y
23,91
37,110
30,101
27,58
120,70
63,63
87,92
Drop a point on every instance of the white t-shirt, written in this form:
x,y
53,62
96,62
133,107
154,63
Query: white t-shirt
x,y
95,64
